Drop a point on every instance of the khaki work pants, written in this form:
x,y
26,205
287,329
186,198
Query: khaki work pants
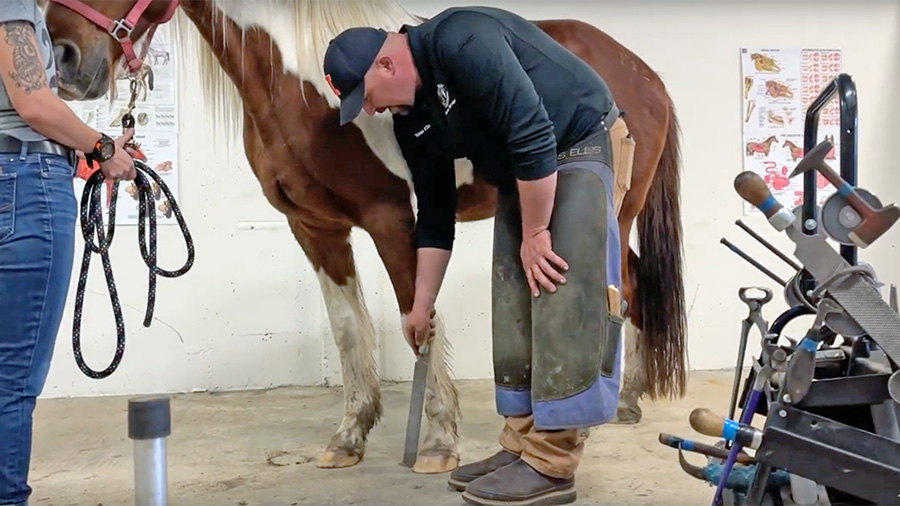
x,y
555,453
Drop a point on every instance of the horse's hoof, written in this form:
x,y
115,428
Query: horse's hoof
x,y
338,458
626,417
435,464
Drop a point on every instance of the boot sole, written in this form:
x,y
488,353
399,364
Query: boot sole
x,y
556,497
457,485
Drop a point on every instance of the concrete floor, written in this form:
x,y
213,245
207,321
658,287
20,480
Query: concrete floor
x,y
255,448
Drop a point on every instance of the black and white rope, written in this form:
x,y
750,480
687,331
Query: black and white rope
x,y
91,223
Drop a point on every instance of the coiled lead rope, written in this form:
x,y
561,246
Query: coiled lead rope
x,y
91,222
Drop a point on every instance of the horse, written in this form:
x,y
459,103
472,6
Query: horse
x,y
760,147
796,151
261,64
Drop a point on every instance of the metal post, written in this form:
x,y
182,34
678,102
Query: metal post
x,y
149,423
844,88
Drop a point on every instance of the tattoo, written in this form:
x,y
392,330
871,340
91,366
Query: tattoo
x,y
28,72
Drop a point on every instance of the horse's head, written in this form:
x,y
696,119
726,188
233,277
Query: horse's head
x,y
90,36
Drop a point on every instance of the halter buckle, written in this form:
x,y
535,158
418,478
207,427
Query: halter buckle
x,y
118,26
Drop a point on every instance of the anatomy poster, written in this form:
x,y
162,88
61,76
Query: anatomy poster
x,y
156,131
778,86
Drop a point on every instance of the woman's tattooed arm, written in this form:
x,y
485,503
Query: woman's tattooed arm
x,y
24,76
28,70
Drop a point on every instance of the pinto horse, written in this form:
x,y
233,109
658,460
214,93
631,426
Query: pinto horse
x,y
261,63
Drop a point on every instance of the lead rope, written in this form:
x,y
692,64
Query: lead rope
x,y
92,221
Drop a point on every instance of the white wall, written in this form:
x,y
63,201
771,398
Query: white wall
x,y
219,329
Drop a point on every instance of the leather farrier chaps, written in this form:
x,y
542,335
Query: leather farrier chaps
x,y
557,356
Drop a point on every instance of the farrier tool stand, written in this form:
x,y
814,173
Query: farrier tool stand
x,y
831,399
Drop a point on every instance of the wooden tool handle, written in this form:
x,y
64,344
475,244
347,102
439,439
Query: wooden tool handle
x,y
751,187
707,422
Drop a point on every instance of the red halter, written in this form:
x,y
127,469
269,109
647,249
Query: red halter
x,y
121,29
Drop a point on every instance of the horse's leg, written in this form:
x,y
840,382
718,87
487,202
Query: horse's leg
x,y
647,157
391,229
629,410
332,257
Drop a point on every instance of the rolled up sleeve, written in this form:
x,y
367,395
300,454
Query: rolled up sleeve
x,y
17,10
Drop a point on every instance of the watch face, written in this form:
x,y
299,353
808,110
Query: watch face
x,y
107,149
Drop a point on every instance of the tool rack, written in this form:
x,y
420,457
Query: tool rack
x,y
840,443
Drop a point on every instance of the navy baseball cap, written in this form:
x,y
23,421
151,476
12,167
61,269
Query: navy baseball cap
x,y
348,57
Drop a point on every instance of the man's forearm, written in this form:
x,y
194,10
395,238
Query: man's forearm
x,y
536,199
51,117
431,265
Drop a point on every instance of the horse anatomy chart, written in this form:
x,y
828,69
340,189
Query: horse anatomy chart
x,y
156,130
777,89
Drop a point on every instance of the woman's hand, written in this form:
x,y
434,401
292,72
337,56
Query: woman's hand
x,y
121,165
537,253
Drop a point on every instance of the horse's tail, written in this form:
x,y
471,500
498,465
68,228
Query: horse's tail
x,y
660,286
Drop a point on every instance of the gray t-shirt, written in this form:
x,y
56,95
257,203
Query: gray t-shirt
x,y
25,10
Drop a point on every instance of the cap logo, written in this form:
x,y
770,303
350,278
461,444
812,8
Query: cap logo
x,y
331,85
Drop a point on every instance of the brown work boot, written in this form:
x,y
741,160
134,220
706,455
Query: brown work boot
x,y
464,474
519,484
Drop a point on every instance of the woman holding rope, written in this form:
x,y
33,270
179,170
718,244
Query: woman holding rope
x,y
39,136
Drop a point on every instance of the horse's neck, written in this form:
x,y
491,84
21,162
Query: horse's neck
x,y
227,62
256,42
301,30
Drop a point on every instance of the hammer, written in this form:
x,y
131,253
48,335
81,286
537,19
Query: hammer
x,y
875,222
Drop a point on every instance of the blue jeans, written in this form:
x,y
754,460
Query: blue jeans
x,y
37,242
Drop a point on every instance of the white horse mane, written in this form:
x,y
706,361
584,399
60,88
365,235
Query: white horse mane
x,y
301,30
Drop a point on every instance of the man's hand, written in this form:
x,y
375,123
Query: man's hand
x,y
419,327
121,165
537,253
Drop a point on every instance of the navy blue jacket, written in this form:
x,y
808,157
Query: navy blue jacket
x,y
499,91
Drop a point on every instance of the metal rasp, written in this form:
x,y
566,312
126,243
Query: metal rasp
x,y
865,305
858,297
416,403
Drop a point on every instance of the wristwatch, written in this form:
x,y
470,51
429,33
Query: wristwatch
x,y
104,149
